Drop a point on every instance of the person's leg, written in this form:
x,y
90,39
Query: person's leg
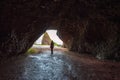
x,y
51,51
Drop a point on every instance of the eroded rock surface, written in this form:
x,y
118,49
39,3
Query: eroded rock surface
x,y
84,26
46,39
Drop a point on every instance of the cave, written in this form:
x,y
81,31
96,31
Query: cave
x,y
85,26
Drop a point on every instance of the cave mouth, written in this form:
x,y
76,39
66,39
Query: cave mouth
x,y
47,36
44,41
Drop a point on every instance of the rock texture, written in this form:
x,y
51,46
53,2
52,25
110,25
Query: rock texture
x,y
85,26
46,39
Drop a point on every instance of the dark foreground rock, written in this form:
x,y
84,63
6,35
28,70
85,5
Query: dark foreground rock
x,y
84,26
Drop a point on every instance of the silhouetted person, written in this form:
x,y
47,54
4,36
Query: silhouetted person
x,y
52,46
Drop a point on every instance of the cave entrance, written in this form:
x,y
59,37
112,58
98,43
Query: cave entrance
x,y
43,42
45,39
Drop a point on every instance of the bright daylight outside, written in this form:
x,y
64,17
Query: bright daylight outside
x,y
44,41
52,34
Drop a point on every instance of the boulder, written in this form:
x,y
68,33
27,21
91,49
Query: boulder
x,y
46,39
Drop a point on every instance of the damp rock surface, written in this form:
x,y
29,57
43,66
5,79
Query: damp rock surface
x,y
84,26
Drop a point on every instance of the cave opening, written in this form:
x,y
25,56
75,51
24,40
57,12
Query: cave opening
x,y
47,36
44,41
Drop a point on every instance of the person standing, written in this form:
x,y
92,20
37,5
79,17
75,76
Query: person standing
x,y
52,46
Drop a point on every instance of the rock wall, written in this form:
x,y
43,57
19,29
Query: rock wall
x,y
85,26
46,39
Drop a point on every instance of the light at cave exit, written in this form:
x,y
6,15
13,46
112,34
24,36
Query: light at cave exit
x,y
53,36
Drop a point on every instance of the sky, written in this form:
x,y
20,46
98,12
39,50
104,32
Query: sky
x,y
53,36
